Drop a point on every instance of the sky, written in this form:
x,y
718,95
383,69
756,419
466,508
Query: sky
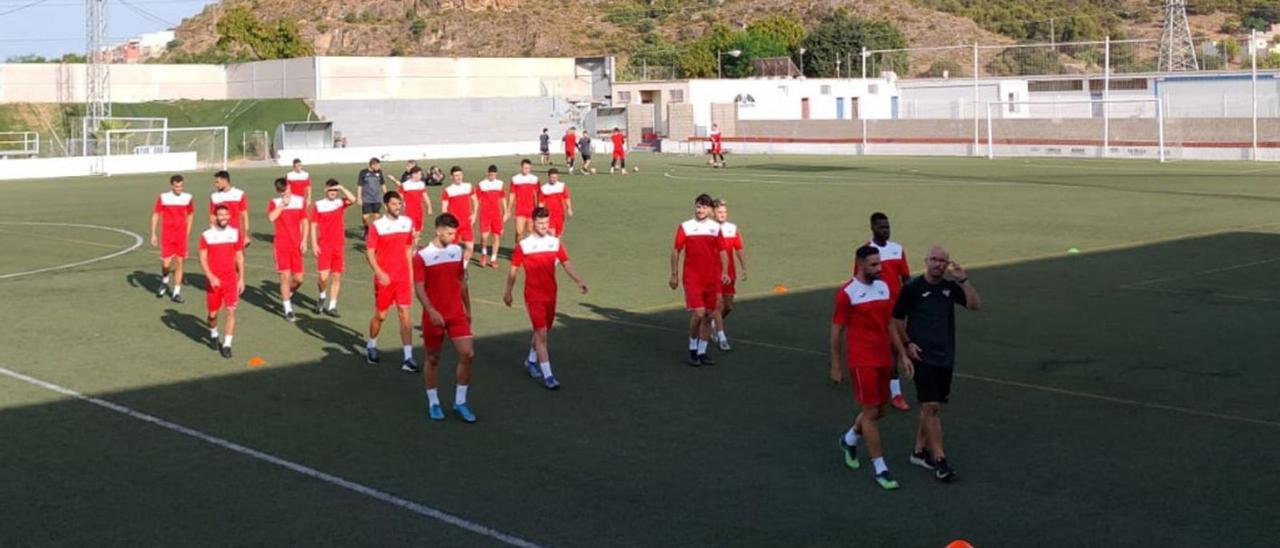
x,y
53,27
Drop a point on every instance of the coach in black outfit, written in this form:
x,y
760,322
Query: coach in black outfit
x,y
925,315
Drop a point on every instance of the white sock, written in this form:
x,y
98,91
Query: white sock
x,y
693,344
720,336
333,305
213,332
460,397
372,343
176,290
408,352
895,387
288,306
713,325
880,465
164,280
851,437
533,356
495,254
546,369
484,251
321,296
227,341
433,395
702,347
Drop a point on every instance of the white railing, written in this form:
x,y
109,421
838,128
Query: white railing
x,y
19,143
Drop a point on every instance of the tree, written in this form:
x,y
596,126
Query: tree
x,y
753,46
239,30
943,67
1230,49
783,29
1024,61
841,36
698,59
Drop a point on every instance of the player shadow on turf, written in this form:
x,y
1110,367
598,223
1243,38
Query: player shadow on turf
x,y
344,338
193,327
150,281
263,237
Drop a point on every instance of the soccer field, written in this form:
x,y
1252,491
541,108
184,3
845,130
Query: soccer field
x,y
1125,395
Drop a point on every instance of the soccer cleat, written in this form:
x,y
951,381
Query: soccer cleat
x,y
164,289
289,317
371,355
550,382
886,481
900,403
176,298
465,412
484,260
319,306
693,359
225,351
944,472
923,459
410,366
493,263
704,359
534,370
332,313
850,454
724,345
435,412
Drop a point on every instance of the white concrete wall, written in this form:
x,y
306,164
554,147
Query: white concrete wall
x,y
400,153
80,166
1217,97
277,79
56,82
781,99
953,99
441,77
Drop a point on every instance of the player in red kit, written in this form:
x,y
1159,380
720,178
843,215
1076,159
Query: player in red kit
x,y
299,181
705,271
222,259
388,248
440,283
619,151
417,205
493,216
862,322
236,200
554,195
732,247
570,147
524,197
288,212
461,199
539,254
328,243
717,147
172,214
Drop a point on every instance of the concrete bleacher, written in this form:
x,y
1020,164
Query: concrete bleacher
x,y
447,121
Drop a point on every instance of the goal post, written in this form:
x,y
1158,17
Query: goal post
x,y
1087,128
209,143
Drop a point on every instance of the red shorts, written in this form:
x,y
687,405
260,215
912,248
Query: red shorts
x,y
332,260
398,292
557,225
729,288
223,296
457,327
417,220
541,314
289,259
465,232
699,295
619,154
571,153
173,247
524,208
717,149
870,385
491,224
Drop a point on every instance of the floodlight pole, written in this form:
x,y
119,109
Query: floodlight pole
x,y
1253,78
1106,96
976,98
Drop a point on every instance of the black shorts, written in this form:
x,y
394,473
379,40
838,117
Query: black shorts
x,y
545,150
933,384
370,209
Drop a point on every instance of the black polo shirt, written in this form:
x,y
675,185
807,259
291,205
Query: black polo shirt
x,y
929,311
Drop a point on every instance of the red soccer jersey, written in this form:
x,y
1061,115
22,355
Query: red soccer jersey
x,y
392,239
552,197
458,199
299,183
893,266
491,194
327,218
702,242
525,189
222,245
570,143
865,311
539,256
235,200
413,192
716,139
173,210
441,270
288,224
732,239
618,140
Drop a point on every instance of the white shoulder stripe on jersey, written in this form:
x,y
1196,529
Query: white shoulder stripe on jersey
x,y
432,255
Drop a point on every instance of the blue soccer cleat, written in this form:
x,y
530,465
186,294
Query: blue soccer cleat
x,y
550,382
465,412
534,370
435,412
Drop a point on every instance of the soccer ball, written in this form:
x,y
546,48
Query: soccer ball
x,y
593,171
711,162
635,169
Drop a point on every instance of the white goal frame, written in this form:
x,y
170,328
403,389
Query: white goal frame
x,y
1106,119
166,131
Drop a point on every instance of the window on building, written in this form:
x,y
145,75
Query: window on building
x,y
677,96
1055,85
624,97
783,89
1012,98
825,90
873,89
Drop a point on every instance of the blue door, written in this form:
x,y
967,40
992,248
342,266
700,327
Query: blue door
x,y
893,107
839,108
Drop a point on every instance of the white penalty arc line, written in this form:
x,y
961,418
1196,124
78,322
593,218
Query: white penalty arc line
x,y
137,242
304,470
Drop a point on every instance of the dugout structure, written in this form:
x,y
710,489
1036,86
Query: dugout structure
x,y
303,135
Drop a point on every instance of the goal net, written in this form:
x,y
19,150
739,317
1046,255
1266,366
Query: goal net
x,y
208,143
1132,128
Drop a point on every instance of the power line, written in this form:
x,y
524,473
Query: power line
x,y
146,14
23,7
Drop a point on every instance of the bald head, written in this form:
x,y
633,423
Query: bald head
x,y
936,262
